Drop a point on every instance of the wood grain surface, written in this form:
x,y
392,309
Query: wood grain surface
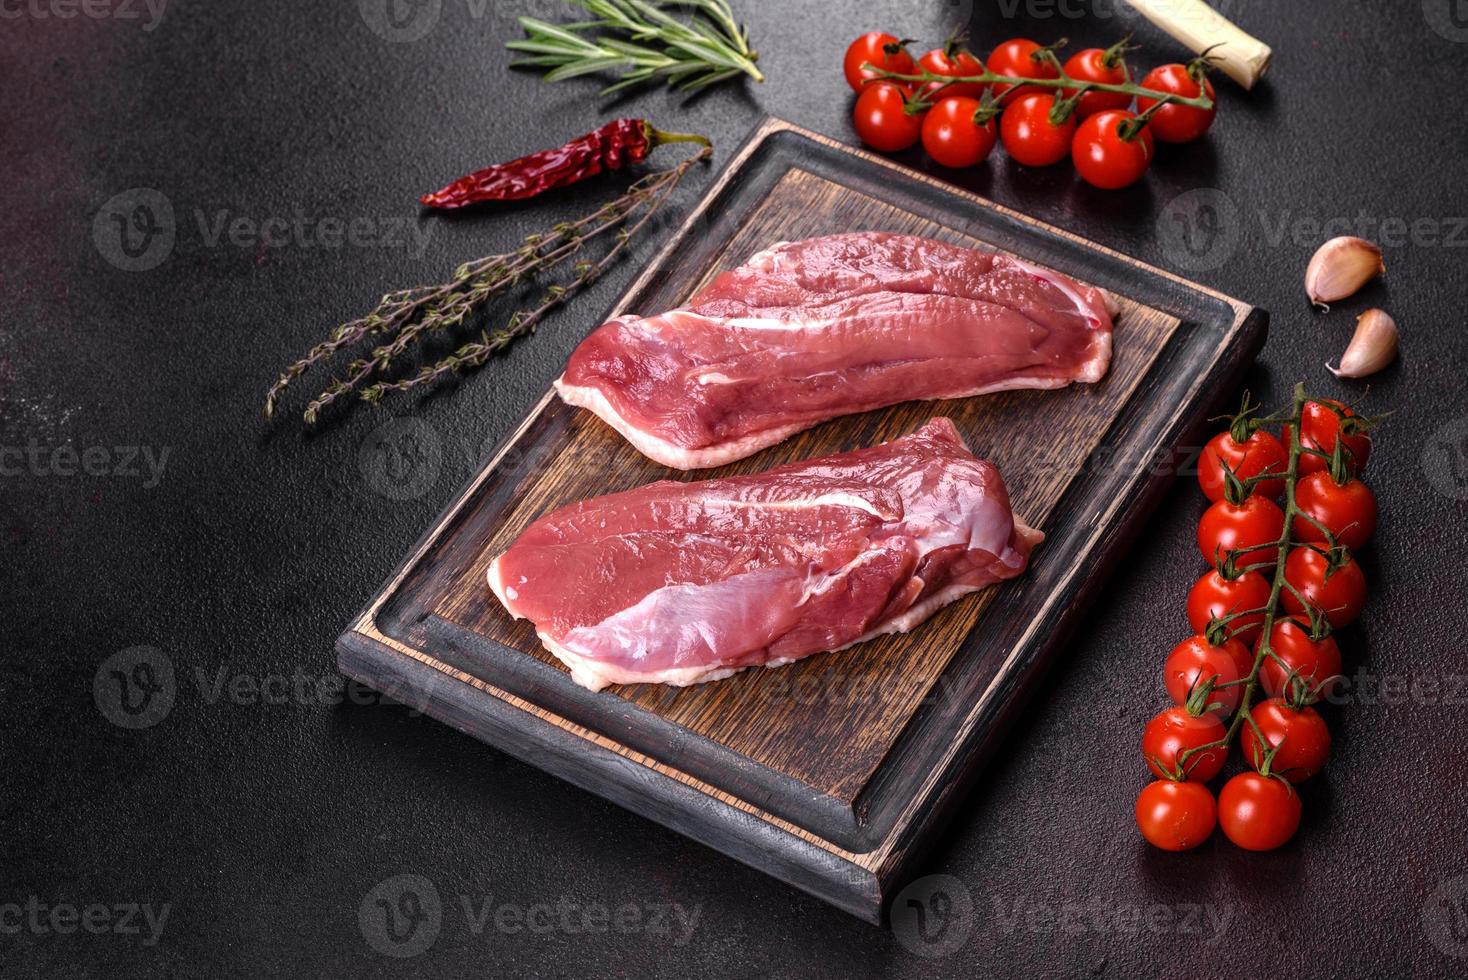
x,y
828,720
833,773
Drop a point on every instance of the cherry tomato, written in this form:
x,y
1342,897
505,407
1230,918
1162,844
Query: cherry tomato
x,y
1302,738
1258,813
1017,59
1340,597
1176,816
1322,428
1174,732
1260,453
1029,135
1214,596
1091,65
1314,662
1347,509
1178,123
953,62
1225,526
882,50
1103,157
951,136
1193,661
884,119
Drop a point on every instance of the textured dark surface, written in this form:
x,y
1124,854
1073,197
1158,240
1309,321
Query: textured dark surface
x,y
265,821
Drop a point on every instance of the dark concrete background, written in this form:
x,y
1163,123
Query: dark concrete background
x,y
264,821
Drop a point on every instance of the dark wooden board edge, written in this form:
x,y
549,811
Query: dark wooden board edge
x,y
630,785
850,886
899,854
547,686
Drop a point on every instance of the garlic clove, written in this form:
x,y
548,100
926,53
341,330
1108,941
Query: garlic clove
x,y
1372,348
1340,267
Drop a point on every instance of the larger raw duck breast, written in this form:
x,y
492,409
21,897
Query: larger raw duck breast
x,y
807,331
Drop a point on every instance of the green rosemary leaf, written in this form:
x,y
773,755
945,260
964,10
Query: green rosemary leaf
x,y
630,80
637,51
544,61
704,81
706,53
586,67
544,29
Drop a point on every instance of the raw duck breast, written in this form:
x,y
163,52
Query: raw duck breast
x,y
681,583
807,331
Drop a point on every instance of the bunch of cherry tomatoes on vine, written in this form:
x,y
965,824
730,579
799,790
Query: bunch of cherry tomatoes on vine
x,y
958,107
1283,579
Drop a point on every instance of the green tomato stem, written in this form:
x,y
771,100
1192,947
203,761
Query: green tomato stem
x,y
1271,608
1201,101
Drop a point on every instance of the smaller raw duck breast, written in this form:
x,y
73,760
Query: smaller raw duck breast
x,y
807,331
680,583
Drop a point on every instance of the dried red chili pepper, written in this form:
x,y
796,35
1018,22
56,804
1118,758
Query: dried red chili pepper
x,y
611,147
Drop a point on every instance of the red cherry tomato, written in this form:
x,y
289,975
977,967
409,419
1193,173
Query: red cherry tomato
x,y
1214,596
1260,453
1313,662
1176,816
953,62
1258,813
1194,661
1323,428
882,50
951,136
1257,521
884,119
1340,597
1347,509
1301,736
1097,65
1017,58
1029,135
1178,123
1174,732
1104,157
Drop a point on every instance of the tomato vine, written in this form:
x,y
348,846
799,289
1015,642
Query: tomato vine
x,y
1291,602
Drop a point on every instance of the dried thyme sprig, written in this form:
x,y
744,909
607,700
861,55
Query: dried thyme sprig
x,y
475,354
407,314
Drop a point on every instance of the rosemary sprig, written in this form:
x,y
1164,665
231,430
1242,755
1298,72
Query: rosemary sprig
x,y
405,315
474,354
643,41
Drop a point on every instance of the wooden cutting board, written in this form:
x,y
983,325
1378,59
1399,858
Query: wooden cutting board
x,y
833,772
